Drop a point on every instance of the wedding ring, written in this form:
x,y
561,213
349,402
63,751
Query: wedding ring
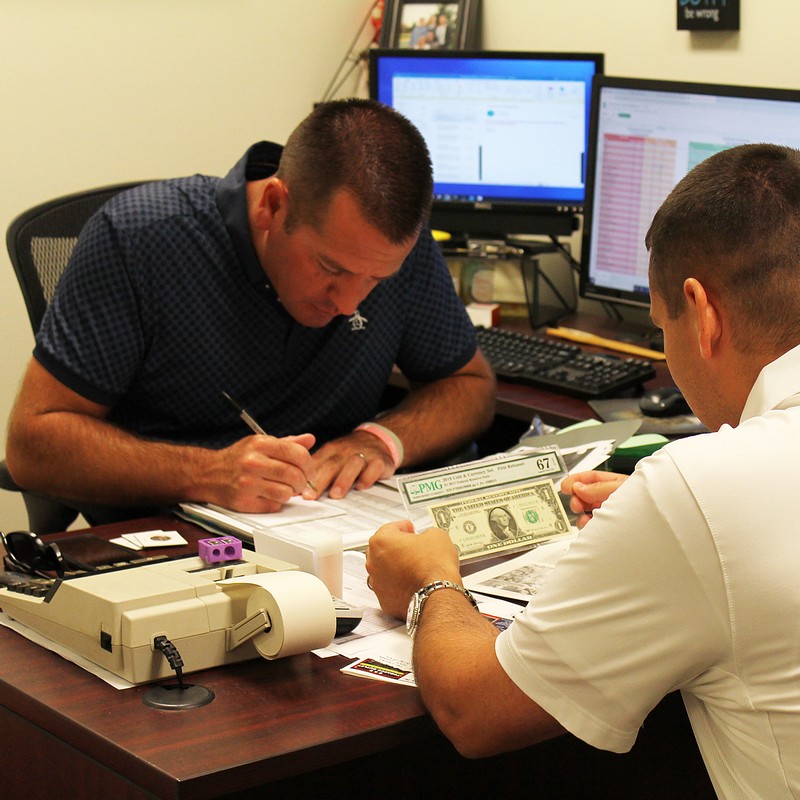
x,y
369,581
363,458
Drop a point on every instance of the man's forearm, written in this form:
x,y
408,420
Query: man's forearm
x,y
473,701
451,648
438,418
90,460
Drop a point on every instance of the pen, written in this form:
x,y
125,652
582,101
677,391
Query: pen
x,y
253,425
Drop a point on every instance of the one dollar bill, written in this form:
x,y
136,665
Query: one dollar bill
x,y
510,519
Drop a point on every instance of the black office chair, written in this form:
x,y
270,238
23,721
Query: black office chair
x,y
40,242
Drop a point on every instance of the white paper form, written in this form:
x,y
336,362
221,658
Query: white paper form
x,y
356,516
522,577
363,513
296,510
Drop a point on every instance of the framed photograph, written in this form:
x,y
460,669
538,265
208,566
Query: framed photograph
x,y
430,26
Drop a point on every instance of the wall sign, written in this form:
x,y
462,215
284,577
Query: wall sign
x,y
708,15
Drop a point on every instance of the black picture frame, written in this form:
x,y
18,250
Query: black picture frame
x,y
404,23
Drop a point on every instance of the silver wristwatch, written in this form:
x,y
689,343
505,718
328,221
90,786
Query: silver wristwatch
x,y
419,597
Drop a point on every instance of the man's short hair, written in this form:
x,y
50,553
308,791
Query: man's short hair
x,y
733,222
368,149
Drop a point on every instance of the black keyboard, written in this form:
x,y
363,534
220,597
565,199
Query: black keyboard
x,y
560,366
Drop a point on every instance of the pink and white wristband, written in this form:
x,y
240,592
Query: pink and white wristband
x,y
389,438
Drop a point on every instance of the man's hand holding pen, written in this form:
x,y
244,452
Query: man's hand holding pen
x,y
261,473
274,470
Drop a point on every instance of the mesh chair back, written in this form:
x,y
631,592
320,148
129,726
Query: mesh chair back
x,y
40,242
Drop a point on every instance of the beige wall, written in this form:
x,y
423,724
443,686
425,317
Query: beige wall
x,y
640,39
101,91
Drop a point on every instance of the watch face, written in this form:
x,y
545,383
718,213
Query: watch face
x,y
412,617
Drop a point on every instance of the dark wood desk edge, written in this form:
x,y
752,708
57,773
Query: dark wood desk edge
x,y
281,768
200,783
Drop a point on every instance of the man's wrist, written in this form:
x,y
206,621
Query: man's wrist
x,y
420,597
389,438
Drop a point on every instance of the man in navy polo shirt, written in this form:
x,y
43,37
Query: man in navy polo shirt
x,y
294,284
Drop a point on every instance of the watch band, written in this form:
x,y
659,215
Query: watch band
x,y
421,595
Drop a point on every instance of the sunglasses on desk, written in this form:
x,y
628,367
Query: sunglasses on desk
x,y
26,552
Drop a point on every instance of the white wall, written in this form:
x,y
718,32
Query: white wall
x,y
101,91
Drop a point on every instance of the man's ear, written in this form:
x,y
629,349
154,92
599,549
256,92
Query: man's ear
x,y
706,317
271,197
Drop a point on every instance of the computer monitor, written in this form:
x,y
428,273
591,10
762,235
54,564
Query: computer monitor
x,y
645,135
507,133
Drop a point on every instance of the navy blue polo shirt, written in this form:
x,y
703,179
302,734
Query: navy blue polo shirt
x,y
164,305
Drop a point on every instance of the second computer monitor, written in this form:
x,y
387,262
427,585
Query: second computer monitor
x,y
645,135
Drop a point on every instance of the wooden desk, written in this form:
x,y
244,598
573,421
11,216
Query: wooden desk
x,y
296,726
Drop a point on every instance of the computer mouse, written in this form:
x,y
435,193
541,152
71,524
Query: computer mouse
x,y
666,401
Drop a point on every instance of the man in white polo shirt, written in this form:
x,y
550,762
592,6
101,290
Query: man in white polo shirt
x,y
687,574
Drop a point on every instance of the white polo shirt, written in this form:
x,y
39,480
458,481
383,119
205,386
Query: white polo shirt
x,y
687,578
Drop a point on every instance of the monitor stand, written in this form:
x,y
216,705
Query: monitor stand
x,y
550,288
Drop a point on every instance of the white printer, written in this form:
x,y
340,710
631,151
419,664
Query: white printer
x,y
213,614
